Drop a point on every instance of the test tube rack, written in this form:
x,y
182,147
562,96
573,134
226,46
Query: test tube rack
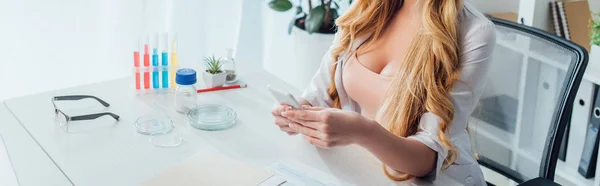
x,y
154,70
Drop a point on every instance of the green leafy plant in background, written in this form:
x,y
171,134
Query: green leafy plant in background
x,y
595,32
213,65
320,19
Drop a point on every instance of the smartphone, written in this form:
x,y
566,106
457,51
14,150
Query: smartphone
x,y
284,97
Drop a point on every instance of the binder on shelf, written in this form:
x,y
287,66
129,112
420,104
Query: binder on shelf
x,y
580,117
587,164
578,17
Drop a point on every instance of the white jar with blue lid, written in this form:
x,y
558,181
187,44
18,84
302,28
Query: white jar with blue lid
x,y
185,92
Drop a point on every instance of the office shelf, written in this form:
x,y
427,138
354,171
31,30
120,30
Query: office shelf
x,y
532,54
499,136
592,73
530,154
570,174
537,61
564,172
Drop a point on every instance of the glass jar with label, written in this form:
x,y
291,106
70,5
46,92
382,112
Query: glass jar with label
x,y
185,92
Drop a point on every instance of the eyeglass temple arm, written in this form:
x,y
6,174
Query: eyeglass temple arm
x,y
94,116
78,97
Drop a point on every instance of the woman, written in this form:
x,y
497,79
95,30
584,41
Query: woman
x,y
400,80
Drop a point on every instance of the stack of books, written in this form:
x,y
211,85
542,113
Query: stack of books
x,y
571,20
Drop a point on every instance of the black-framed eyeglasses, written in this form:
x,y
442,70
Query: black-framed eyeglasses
x,y
64,119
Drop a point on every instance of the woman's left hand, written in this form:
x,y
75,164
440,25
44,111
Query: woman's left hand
x,y
328,127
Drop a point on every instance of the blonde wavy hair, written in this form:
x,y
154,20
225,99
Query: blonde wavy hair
x,y
424,80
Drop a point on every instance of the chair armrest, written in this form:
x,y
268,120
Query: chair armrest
x,y
539,182
500,169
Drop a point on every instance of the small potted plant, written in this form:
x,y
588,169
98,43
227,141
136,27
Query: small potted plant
x,y
214,75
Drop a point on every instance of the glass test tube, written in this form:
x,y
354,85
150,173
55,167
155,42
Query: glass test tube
x,y
146,64
174,60
136,65
165,61
155,81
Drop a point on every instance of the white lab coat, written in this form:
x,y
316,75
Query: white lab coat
x,y
477,42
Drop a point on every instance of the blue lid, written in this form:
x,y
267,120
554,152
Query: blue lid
x,y
185,76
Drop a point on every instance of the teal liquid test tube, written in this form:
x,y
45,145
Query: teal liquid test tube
x,y
165,70
155,81
165,61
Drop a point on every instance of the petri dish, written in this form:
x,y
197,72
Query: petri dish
x,y
212,117
173,138
153,124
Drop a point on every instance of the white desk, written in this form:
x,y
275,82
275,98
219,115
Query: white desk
x,y
31,165
119,156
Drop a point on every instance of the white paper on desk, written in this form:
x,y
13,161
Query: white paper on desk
x,y
7,173
299,174
276,180
210,168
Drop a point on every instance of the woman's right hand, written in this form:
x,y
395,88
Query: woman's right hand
x,y
282,122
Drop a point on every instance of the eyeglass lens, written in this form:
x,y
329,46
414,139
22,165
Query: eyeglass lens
x,y
61,119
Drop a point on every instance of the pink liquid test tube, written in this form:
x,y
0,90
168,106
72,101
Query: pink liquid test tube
x,y
136,64
146,65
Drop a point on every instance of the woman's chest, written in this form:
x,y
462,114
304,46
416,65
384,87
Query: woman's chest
x,y
365,87
386,54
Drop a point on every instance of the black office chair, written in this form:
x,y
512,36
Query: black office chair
x,y
524,110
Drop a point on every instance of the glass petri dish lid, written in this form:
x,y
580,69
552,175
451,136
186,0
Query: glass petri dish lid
x,y
153,124
173,138
212,117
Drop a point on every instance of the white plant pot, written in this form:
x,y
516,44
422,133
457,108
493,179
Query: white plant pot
x,y
309,50
214,80
302,60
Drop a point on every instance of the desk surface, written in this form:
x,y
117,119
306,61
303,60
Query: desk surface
x,y
31,165
117,155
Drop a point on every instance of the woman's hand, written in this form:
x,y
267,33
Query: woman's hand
x,y
327,127
281,121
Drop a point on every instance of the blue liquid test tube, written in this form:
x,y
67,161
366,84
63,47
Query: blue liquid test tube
x,y
155,71
165,70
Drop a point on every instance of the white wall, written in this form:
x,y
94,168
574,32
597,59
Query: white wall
x,y
57,44
278,44
63,43
493,6
205,27
594,6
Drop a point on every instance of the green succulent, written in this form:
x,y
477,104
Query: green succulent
x,y
595,32
213,65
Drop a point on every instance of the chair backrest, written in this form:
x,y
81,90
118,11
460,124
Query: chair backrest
x,y
519,123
